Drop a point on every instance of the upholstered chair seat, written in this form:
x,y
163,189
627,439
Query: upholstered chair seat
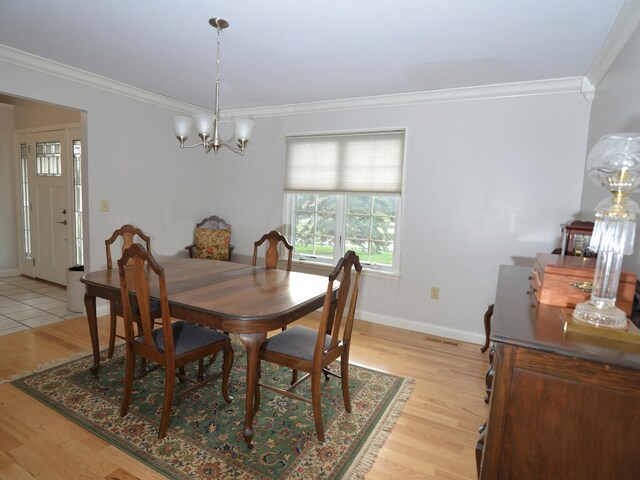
x,y
298,341
186,337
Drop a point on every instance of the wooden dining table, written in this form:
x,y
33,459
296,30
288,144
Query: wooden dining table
x,y
231,297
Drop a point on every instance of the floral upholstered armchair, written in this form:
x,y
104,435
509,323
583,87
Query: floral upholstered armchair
x,y
212,240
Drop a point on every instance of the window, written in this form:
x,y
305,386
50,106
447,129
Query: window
x,y
24,190
343,192
77,201
48,160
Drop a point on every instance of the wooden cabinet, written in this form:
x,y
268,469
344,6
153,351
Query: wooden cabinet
x,y
560,408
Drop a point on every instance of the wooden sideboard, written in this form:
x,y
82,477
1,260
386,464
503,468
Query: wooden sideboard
x,y
560,407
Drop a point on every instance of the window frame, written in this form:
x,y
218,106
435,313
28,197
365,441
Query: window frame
x,y
77,187
340,233
295,185
25,201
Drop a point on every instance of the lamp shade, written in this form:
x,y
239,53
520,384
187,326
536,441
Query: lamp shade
x,y
182,125
244,126
204,124
614,162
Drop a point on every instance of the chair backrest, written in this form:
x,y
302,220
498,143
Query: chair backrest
x,y
129,235
273,255
212,239
213,222
331,320
138,270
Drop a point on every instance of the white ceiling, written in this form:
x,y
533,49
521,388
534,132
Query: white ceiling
x,y
296,51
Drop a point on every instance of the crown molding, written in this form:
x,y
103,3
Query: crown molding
x,y
625,25
587,90
50,67
516,89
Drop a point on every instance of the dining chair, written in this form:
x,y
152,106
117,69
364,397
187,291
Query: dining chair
x,y
273,255
271,261
212,240
128,235
312,350
174,344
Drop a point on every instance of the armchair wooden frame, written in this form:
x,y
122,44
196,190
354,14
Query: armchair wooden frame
x,y
311,351
173,345
215,223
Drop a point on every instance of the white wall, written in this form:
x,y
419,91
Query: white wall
x,y
132,160
8,247
616,108
487,182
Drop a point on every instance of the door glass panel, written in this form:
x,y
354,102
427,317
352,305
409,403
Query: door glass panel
x,y
24,190
77,201
48,160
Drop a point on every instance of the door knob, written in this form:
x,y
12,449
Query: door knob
x,y
64,222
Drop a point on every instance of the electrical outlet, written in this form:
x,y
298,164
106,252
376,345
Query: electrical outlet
x,y
435,293
104,205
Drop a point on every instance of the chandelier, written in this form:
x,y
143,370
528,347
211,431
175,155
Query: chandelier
x,y
208,125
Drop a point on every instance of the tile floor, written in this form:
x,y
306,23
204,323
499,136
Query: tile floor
x,y
26,303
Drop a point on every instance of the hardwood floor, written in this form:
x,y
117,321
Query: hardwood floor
x,y
434,438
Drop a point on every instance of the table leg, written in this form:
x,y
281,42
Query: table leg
x,y
90,306
252,341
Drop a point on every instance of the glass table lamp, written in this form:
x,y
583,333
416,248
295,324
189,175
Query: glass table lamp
x,y
614,163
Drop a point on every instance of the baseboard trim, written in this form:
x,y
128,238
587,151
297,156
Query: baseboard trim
x,y
10,272
422,327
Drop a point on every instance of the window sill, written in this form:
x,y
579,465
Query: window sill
x,y
308,266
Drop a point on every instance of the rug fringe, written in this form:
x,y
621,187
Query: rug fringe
x,y
44,366
375,442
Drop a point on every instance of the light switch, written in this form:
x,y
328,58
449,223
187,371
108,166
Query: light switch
x,y
435,293
104,205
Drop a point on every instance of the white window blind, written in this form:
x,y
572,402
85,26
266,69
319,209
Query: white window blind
x,y
351,162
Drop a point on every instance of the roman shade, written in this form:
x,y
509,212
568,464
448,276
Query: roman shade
x,y
368,162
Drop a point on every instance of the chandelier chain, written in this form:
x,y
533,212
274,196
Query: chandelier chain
x,y
218,58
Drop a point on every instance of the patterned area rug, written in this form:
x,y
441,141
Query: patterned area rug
x,y
204,439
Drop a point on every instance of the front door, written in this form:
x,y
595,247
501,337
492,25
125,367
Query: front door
x,y
51,218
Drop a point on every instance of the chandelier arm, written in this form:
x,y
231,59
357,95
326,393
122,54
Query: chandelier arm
x,y
192,146
232,148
